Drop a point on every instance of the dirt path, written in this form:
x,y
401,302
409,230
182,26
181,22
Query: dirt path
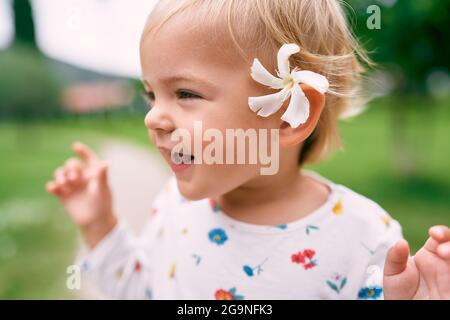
x,y
136,175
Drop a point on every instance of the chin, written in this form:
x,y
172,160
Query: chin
x,y
191,192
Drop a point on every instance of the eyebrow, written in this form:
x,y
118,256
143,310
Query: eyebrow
x,y
178,78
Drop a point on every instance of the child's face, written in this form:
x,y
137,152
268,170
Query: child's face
x,y
221,103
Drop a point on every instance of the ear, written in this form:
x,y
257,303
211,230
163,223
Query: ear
x,y
292,136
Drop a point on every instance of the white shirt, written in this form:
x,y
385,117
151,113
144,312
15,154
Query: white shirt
x,y
193,250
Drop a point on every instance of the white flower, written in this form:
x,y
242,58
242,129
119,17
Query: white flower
x,y
289,82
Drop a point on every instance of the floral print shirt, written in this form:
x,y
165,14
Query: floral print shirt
x,y
193,250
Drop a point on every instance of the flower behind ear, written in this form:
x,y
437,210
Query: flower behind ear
x,y
288,82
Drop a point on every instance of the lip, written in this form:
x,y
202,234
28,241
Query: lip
x,y
175,167
179,167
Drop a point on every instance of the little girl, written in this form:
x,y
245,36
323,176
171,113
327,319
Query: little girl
x,y
225,230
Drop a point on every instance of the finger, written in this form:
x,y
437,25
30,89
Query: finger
x,y
58,190
66,186
52,187
431,245
73,163
72,178
73,171
103,173
443,250
440,233
84,152
397,258
60,176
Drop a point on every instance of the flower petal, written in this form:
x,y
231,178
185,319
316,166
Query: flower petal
x,y
284,53
298,110
312,79
269,104
261,75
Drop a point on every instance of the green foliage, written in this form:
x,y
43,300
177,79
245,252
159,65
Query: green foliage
x,y
28,88
37,239
412,41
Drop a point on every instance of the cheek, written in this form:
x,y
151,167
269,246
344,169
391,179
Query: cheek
x,y
217,179
232,115
152,138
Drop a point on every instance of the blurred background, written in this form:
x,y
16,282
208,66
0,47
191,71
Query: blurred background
x,y
69,70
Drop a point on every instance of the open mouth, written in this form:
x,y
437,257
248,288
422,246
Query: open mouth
x,y
180,158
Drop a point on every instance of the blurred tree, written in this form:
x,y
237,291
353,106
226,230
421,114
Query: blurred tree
x,y
413,37
24,23
28,87
410,46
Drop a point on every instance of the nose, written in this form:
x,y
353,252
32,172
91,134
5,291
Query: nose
x,y
158,120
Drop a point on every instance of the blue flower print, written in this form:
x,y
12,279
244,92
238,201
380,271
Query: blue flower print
x,y
218,236
249,271
85,266
370,292
148,294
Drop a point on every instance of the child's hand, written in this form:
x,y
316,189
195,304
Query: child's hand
x,y
82,187
423,276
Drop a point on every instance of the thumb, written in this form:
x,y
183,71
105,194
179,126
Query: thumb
x,y
397,258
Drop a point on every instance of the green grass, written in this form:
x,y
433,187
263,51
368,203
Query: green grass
x,y
37,239
367,165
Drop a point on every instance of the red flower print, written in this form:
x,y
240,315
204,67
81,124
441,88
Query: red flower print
x,y
223,295
231,294
137,266
305,258
298,258
214,205
154,211
309,253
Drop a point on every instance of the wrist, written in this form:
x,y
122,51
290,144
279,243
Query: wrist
x,y
93,233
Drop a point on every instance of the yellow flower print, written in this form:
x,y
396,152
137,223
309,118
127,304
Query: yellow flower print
x,y
386,219
172,271
337,209
119,274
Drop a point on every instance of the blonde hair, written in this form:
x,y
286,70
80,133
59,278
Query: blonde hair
x,y
319,27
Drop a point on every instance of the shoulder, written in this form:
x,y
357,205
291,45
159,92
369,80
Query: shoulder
x,y
368,218
360,216
361,207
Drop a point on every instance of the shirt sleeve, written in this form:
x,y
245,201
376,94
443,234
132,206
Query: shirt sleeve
x,y
120,265
371,287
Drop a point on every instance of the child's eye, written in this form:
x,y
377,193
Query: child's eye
x,y
182,94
